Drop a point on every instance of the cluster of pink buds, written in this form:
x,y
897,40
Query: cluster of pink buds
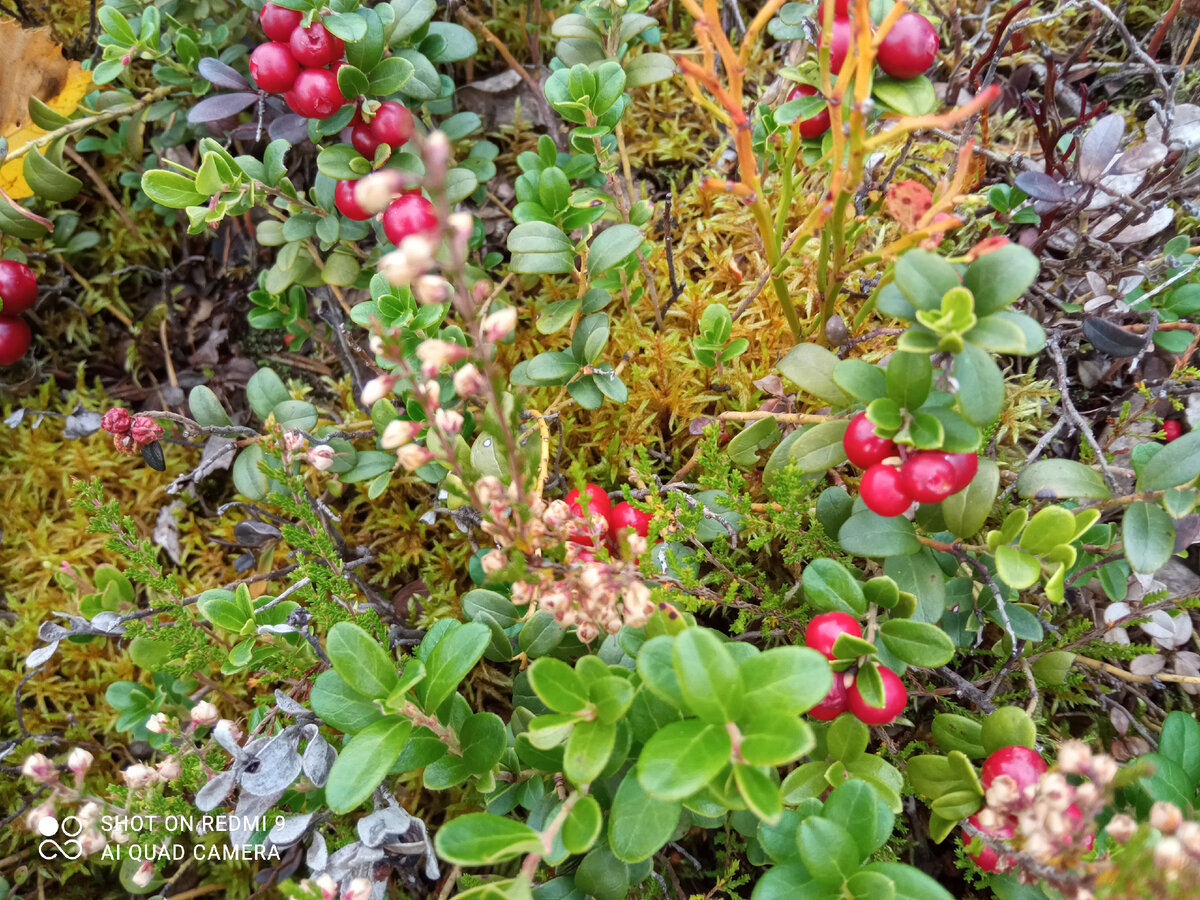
x,y
43,818
357,889
130,432
1178,848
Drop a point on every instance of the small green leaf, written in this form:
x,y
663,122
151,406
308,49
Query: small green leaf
x,y
451,659
365,762
917,643
909,378
924,278
871,535
611,247
1178,463
582,825
856,806
820,447
360,660
999,278
761,794
481,839
968,510
811,367
980,394
640,824
707,675
172,189
557,685
683,757
1148,536
1050,479
828,850
829,586
1017,569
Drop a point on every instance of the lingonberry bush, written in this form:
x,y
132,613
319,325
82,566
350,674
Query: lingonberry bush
x,y
709,459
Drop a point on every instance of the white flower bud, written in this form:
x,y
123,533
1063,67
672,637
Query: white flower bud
x,y
158,723
169,769
1104,769
412,456
230,727
138,775
397,270
449,420
1121,828
376,191
587,632
492,562
1165,816
39,768
327,886
468,381
418,250
1169,855
398,433
79,762
360,888
89,813
144,875
431,289
204,713
462,224
375,342
500,324
1074,757
321,457
39,814
557,514
92,841
377,388
1188,834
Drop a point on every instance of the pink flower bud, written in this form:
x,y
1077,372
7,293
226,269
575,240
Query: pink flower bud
x,y
587,632
292,440
124,443
398,433
1169,855
144,875
492,562
418,250
1121,828
1165,816
39,768
44,813
169,769
468,381
489,489
116,421
412,456
449,420
435,353
431,289
500,324
375,191
1074,757
92,841
377,388
79,762
138,775
396,268
321,457
327,886
158,723
89,814
145,430
204,713
436,154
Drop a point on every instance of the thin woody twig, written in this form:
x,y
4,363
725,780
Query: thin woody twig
x,y
1077,420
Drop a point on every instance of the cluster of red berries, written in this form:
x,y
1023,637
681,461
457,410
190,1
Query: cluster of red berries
x,y
602,519
18,293
301,63
926,476
822,633
130,433
907,50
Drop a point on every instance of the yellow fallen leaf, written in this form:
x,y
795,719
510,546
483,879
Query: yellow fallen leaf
x,y
34,67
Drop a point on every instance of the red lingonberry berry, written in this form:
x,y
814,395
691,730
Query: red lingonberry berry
x,y
15,338
116,420
881,491
316,46
835,701
145,430
273,67
624,517
863,447
824,630
909,48
363,140
839,43
599,506
895,696
1171,428
965,466
278,22
315,94
392,124
814,126
1022,764
928,476
18,287
410,214
346,203
987,859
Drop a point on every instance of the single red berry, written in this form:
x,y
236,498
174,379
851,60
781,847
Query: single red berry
x,y
965,466
895,697
1022,764
364,140
346,203
881,491
392,124
909,48
116,420
863,447
585,556
839,44
987,859
1171,428
279,22
599,506
18,287
316,46
814,126
625,517
835,701
928,476
410,214
315,94
824,630
15,338
273,67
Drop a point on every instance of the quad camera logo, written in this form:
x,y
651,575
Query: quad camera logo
x,y
68,831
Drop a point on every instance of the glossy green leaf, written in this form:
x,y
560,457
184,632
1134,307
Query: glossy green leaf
x,y
481,839
1148,537
365,762
707,676
360,660
682,758
1050,479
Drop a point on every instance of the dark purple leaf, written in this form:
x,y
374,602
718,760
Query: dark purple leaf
x,y
1040,186
1140,157
1110,339
221,106
222,75
292,128
153,455
1099,146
